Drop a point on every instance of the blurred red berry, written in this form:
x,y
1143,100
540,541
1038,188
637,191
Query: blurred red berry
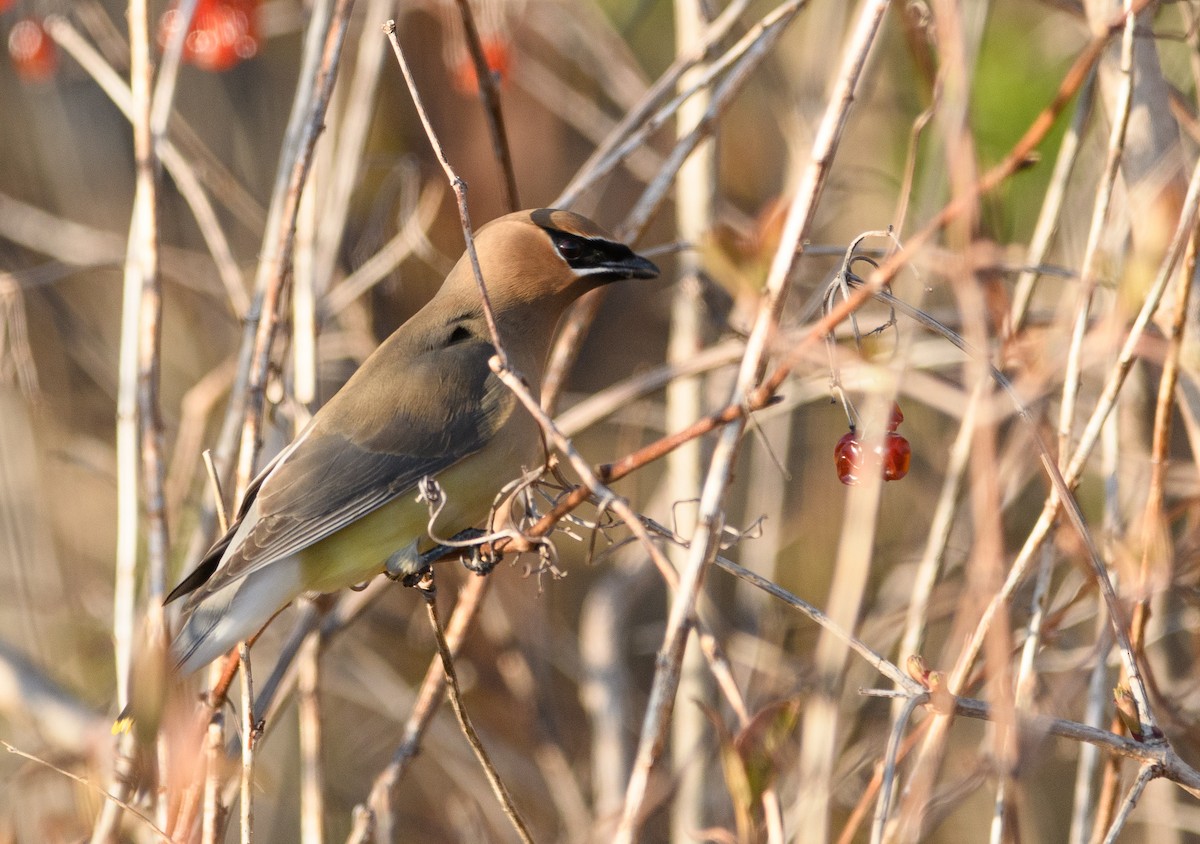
x,y
223,33
897,416
34,55
848,458
499,60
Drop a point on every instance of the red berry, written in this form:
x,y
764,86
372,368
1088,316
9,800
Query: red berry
x,y
498,54
896,454
33,53
892,457
223,33
848,458
897,416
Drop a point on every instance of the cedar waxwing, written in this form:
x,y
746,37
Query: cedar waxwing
x,y
340,501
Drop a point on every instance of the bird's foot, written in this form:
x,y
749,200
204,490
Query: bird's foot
x,y
409,568
481,560
413,578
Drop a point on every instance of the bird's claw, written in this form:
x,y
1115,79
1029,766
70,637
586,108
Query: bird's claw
x,y
481,561
414,578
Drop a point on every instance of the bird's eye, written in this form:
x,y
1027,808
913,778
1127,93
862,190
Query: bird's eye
x,y
570,248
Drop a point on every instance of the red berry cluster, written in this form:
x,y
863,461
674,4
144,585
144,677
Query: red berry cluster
x,y
222,34
892,456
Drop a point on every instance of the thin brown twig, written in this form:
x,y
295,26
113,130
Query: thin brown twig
x,y
323,49
1168,763
464,720
1147,772
86,783
608,499
457,185
1154,531
489,94
433,688
1052,204
1092,254
877,661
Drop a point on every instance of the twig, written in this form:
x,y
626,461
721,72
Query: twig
x,y
1154,530
133,810
1091,255
312,779
731,58
1148,772
940,527
248,742
1168,764
636,117
1099,691
1052,203
489,93
349,140
694,198
456,184
322,54
1074,469
433,688
607,685
139,426
608,499
498,787
888,778
875,660
749,52
211,816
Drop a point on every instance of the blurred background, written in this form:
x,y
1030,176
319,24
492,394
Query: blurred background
x,y
557,668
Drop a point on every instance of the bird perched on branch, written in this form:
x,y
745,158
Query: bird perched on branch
x,y
341,500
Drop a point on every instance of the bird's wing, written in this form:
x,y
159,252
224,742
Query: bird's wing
x,y
393,427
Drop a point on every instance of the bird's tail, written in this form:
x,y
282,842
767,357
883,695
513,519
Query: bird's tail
x,y
214,622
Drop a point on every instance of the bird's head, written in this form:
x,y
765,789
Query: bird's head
x,y
545,259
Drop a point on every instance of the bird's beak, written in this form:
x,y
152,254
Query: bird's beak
x,y
630,266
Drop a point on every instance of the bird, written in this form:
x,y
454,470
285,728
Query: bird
x,y
339,504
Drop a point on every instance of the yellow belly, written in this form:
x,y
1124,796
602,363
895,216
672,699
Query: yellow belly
x,y
358,551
